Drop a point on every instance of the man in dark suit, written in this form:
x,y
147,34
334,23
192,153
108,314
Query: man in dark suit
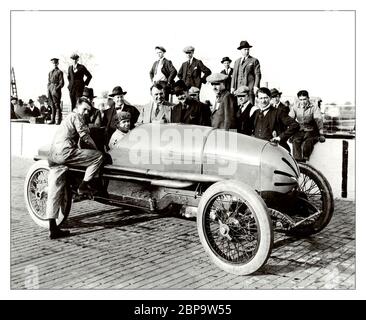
x,y
247,71
163,72
75,75
187,110
270,123
228,71
33,109
54,86
225,107
121,105
13,104
191,71
205,110
245,111
276,103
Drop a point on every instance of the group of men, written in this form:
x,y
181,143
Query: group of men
x,y
233,109
78,76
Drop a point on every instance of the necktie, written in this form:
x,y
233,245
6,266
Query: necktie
x,y
157,110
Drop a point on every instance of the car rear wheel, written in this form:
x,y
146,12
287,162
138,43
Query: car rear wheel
x,y
315,196
234,227
35,192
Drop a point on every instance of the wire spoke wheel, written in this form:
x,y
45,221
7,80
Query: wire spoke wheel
x,y
231,228
234,227
315,189
36,194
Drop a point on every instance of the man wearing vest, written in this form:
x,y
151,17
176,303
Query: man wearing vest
x,y
310,119
247,71
191,71
270,123
163,72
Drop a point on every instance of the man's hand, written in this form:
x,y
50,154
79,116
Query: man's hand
x,y
321,139
255,89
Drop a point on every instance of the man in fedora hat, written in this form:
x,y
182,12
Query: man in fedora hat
x,y
54,86
33,109
187,110
191,71
163,71
94,119
228,71
247,71
225,108
245,110
76,74
121,105
277,104
158,110
276,101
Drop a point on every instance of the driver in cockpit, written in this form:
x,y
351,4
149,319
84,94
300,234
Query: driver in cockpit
x,y
123,123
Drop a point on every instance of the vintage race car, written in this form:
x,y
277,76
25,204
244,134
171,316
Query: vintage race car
x,y
240,188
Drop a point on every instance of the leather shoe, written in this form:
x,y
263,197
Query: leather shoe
x,y
58,233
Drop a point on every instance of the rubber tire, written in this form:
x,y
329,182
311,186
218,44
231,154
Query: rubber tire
x,y
328,204
264,223
63,213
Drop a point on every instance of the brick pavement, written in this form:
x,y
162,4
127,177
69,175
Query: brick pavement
x,y
112,248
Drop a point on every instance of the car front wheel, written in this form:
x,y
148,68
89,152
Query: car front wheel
x,y
234,227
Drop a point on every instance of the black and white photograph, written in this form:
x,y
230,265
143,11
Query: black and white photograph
x,y
182,149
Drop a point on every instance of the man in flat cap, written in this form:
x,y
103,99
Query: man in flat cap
x,y
225,108
187,110
158,110
76,75
246,110
247,71
228,71
54,86
191,71
163,72
309,117
205,111
64,151
122,124
270,123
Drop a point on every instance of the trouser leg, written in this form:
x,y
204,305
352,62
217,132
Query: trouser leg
x,y
56,190
93,159
72,99
308,145
297,145
53,106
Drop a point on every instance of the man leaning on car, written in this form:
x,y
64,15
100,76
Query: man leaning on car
x,y
64,151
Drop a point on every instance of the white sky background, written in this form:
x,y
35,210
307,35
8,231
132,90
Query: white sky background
x,y
297,49
303,49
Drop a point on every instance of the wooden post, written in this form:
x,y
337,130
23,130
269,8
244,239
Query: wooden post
x,y
344,168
